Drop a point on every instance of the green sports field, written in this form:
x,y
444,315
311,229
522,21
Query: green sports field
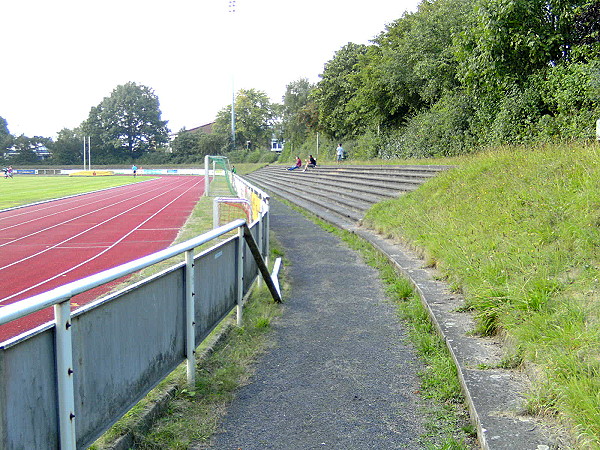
x,y
22,190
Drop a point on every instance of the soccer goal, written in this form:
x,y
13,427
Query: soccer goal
x,y
227,210
218,176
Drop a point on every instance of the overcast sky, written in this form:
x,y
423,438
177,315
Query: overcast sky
x,y
61,57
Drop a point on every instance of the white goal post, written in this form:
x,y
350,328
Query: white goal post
x,y
217,176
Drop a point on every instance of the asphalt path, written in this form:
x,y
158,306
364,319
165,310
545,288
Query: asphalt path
x,y
47,245
341,374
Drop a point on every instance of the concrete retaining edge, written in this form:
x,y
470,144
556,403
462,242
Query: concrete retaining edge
x,y
494,396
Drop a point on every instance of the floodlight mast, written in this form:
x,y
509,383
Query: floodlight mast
x,y
232,6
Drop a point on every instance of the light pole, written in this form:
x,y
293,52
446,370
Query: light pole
x,y
232,11
87,152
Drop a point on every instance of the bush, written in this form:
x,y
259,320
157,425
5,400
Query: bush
x,y
442,130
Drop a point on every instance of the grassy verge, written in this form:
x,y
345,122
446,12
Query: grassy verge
x,y
518,232
447,420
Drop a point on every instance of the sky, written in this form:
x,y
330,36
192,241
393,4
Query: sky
x,y
62,57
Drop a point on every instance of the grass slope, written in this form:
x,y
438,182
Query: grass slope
x,y
23,190
518,232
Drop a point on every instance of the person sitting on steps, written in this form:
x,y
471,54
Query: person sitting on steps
x,y
310,162
298,164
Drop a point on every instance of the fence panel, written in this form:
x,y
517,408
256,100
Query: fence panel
x,y
216,287
28,390
123,345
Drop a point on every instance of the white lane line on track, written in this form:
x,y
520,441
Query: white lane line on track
x,y
99,254
26,210
81,216
82,232
62,211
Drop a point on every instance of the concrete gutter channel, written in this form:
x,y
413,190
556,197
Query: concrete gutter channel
x,y
494,396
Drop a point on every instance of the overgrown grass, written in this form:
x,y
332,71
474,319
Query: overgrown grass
x,y
517,230
22,190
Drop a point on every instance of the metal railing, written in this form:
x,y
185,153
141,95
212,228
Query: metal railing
x,y
69,395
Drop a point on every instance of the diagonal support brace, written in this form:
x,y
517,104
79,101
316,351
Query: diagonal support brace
x,y
262,267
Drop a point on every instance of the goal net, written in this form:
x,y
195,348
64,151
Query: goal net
x,y
218,176
227,210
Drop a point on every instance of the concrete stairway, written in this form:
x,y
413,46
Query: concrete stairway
x,y
341,194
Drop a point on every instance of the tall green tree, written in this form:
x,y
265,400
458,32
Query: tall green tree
x,y
26,146
67,148
127,123
255,119
586,32
335,90
513,39
6,139
297,106
194,145
410,65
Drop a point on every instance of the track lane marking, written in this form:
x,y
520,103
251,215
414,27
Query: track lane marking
x,y
97,255
83,204
83,215
52,204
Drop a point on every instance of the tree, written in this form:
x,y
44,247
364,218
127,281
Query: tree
x,y
296,110
255,118
335,90
194,145
26,147
127,123
586,31
68,147
6,139
513,39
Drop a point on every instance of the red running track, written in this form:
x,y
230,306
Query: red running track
x,y
47,245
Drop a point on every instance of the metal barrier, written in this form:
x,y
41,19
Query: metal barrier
x,y
93,365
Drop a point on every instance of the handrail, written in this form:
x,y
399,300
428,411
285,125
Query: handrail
x,y
58,295
60,298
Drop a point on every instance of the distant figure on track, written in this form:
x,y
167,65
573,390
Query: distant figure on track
x,y
298,164
5,170
339,153
310,162
10,172
134,169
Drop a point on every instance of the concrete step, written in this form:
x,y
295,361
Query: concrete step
x,y
341,182
337,216
342,194
310,185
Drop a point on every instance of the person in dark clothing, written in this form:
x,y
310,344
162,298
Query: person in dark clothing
x,y
310,162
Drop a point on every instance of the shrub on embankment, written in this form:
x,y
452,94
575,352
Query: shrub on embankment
x,y
517,230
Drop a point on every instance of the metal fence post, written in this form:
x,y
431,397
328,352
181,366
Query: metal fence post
x,y
267,220
240,275
64,375
260,241
190,320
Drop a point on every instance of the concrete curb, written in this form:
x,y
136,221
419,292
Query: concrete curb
x,y
494,396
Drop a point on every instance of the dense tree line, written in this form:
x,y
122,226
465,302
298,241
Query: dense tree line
x,y
452,77
457,75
